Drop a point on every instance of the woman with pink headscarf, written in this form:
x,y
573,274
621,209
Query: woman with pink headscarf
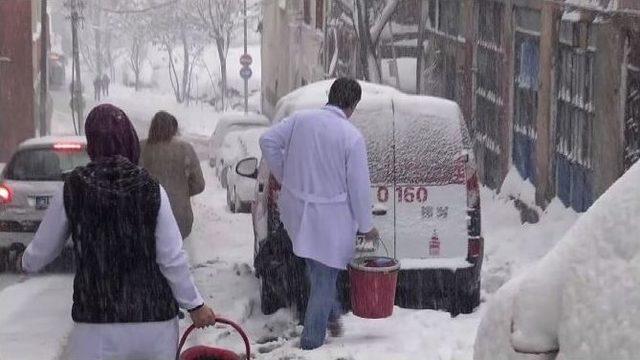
x,y
132,274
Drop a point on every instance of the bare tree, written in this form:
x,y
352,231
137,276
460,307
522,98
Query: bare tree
x,y
174,29
137,55
137,29
368,18
219,19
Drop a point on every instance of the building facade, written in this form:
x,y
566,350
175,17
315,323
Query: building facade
x,y
292,47
19,74
549,88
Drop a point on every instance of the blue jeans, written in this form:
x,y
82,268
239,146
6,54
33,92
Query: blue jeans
x,y
323,305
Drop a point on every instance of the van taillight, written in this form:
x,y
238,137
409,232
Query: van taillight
x,y
475,247
473,190
6,194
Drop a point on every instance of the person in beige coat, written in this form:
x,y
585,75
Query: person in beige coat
x,y
174,163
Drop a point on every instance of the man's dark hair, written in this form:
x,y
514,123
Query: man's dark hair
x,y
345,93
164,127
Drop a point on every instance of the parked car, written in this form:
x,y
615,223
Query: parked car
x,y
426,201
241,189
579,301
230,122
29,180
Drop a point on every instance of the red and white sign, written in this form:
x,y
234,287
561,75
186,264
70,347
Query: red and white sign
x,y
246,60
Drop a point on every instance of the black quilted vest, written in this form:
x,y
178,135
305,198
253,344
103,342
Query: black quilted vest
x,y
112,206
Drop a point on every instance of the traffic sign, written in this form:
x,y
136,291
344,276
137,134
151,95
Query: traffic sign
x,y
246,60
245,72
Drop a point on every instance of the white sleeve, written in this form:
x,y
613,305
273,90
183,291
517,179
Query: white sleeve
x,y
359,185
50,238
172,258
273,144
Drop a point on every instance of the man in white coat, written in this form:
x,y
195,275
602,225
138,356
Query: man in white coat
x,y
320,159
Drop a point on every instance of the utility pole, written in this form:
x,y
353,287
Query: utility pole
x,y
77,102
44,60
246,79
98,37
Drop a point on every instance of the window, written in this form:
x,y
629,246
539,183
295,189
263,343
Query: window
x,y
307,12
574,127
632,111
444,16
320,14
527,62
489,109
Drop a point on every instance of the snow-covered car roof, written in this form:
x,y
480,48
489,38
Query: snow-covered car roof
x,y
428,131
52,140
251,140
580,299
240,144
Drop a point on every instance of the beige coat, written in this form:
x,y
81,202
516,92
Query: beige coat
x,y
176,166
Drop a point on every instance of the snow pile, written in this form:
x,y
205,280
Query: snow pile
x,y
515,186
580,299
511,246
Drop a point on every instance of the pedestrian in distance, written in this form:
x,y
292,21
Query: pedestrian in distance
x,y
320,159
174,163
132,274
105,84
97,87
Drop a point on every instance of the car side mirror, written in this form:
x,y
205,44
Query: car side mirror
x,y
248,168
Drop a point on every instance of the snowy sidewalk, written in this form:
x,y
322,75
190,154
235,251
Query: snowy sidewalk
x,y
35,318
35,315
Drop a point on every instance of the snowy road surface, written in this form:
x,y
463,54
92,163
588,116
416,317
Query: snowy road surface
x,y
35,312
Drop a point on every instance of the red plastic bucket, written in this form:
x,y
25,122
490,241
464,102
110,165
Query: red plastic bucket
x,y
211,353
373,286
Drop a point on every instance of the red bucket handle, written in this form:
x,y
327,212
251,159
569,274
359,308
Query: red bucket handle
x,y
223,321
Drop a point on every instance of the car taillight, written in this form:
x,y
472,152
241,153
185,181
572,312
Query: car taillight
x,y
67,146
6,194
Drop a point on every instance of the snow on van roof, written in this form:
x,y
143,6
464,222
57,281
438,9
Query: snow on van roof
x,y
316,94
428,132
51,140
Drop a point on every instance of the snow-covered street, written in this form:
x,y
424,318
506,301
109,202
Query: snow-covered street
x,y
35,318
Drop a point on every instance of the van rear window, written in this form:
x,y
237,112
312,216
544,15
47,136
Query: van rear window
x,y
44,164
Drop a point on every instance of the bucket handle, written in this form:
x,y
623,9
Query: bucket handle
x,y
222,321
377,246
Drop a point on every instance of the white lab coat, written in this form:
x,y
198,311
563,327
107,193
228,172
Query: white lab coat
x,y
122,341
320,159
